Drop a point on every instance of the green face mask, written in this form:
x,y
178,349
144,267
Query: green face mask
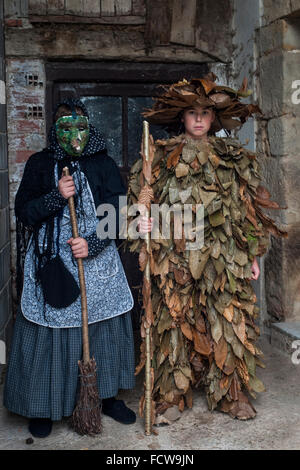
x,y
72,134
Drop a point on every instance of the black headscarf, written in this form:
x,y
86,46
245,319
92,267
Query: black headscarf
x,y
95,144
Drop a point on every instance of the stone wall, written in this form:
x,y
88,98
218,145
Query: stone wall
x,y
157,30
259,40
5,284
278,42
39,31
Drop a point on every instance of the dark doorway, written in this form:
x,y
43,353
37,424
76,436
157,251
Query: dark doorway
x,y
115,94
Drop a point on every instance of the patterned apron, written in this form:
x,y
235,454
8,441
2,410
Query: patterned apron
x,y
108,293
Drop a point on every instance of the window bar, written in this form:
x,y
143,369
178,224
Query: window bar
x,y
125,132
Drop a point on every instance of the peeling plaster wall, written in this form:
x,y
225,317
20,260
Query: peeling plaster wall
x,y
97,30
257,39
26,83
266,50
246,19
236,38
278,85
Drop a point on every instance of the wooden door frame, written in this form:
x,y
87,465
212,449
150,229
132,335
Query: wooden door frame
x,y
109,72
136,73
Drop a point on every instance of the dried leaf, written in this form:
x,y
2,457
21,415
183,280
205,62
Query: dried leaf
x,y
256,384
201,343
173,157
187,330
189,398
165,321
217,218
240,329
220,352
197,262
216,329
181,170
181,381
241,408
182,276
230,363
228,313
143,258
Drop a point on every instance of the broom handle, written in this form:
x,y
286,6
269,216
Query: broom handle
x,y
84,311
148,397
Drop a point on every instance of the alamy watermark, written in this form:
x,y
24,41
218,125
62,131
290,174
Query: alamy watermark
x,y
296,353
186,220
2,352
296,93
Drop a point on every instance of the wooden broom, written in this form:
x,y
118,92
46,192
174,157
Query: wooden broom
x,y
86,418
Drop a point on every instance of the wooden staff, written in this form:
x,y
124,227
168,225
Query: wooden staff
x,y
86,418
148,388
84,310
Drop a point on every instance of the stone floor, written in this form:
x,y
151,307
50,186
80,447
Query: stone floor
x,y
276,426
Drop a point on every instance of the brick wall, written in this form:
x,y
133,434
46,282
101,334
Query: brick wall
x,y
26,123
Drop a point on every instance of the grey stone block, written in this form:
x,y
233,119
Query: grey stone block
x,y
2,118
274,10
283,135
4,227
5,306
3,152
15,8
284,336
2,69
1,41
3,189
295,5
4,266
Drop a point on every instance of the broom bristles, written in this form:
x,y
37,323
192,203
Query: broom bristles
x,y
86,418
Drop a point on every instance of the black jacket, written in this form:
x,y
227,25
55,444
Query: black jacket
x,y
38,199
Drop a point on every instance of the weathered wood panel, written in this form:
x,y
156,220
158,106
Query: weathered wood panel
x,y
213,29
74,7
183,22
91,7
37,7
92,43
88,19
116,7
158,22
15,8
139,7
55,7
123,7
107,8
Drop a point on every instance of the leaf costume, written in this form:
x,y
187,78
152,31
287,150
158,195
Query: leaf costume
x,y
203,322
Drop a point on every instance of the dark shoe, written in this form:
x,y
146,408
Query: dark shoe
x,y
117,410
40,427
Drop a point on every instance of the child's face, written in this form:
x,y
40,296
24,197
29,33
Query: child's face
x,y
197,121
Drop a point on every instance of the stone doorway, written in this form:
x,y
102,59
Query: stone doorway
x,y
120,91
